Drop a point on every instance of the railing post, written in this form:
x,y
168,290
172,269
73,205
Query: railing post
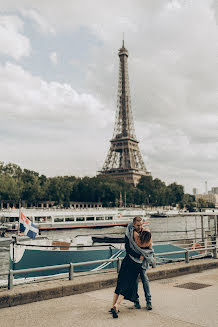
x,y
202,228
71,271
10,280
186,257
154,262
215,253
118,264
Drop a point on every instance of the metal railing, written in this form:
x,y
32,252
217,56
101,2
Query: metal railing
x,y
71,266
187,251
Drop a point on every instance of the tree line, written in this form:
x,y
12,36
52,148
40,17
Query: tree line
x,y
18,184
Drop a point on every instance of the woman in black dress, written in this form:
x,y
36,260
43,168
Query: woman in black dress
x,y
128,274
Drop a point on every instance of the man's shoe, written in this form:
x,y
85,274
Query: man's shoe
x,y
137,305
149,306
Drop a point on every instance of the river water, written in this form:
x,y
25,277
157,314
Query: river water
x,y
162,229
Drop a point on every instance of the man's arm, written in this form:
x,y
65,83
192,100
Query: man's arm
x,y
129,250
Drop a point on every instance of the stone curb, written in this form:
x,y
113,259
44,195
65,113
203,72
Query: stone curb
x,y
53,289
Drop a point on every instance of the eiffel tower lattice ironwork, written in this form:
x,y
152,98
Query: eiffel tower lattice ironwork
x,y
124,159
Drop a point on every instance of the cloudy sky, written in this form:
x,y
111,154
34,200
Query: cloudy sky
x,y
59,77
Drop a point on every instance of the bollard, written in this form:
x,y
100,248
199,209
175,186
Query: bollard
x,y
118,264
215,253
186,257
71,271
10,280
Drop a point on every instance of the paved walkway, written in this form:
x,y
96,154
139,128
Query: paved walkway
x,y
172,306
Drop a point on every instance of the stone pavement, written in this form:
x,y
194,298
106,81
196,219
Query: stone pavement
x,y
172,306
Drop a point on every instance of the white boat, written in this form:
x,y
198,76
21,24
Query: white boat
x,y
46,219
84,248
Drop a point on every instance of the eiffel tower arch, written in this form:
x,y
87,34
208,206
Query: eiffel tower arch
x,y
124,159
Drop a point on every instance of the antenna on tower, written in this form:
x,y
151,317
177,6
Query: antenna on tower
x,y
123,41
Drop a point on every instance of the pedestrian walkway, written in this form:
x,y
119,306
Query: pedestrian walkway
x,y
173,305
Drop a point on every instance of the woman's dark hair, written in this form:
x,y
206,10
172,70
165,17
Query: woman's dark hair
x,y
145,236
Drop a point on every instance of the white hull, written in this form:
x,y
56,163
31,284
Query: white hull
x,y
68,219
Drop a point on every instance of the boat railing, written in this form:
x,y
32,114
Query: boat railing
x,y
71,265
189,245
75,246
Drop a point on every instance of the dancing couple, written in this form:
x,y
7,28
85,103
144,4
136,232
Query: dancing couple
x,y
139,254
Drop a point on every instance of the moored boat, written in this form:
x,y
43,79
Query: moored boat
x,y
33,254
46,219
107,239
158,215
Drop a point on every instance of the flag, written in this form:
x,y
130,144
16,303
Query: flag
x,y
27,227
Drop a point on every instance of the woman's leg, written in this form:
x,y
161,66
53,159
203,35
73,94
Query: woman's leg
x,y
119,300
115,297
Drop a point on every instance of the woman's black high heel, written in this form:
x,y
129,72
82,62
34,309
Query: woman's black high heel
x,y
110,311
114,313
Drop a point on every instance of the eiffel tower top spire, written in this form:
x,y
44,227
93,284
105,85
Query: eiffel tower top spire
x,y
124,121
124,159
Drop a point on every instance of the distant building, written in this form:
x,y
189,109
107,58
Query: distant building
x,y
211,198
7,204
214,190
206,192
195,191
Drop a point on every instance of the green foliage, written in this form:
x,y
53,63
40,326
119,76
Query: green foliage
x,y
188,202
156,193
17,184
202,203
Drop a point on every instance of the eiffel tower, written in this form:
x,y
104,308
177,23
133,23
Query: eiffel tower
x,y
124,159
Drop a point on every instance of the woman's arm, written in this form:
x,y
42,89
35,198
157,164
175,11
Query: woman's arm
x,y
137,240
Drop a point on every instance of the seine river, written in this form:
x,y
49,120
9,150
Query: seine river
x,y
162,229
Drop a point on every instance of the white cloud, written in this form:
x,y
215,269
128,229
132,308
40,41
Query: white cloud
x,y
173,77
28,97
54,58
41,23
49,124
12,42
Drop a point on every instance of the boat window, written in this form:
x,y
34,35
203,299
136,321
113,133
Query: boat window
x,y
58,220
80,219
109,218
40,219
12,219
99,218
89,218
69,219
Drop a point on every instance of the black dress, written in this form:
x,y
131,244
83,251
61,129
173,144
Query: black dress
x,y
126,282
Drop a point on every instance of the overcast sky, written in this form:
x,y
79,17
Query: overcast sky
x,y
59,76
